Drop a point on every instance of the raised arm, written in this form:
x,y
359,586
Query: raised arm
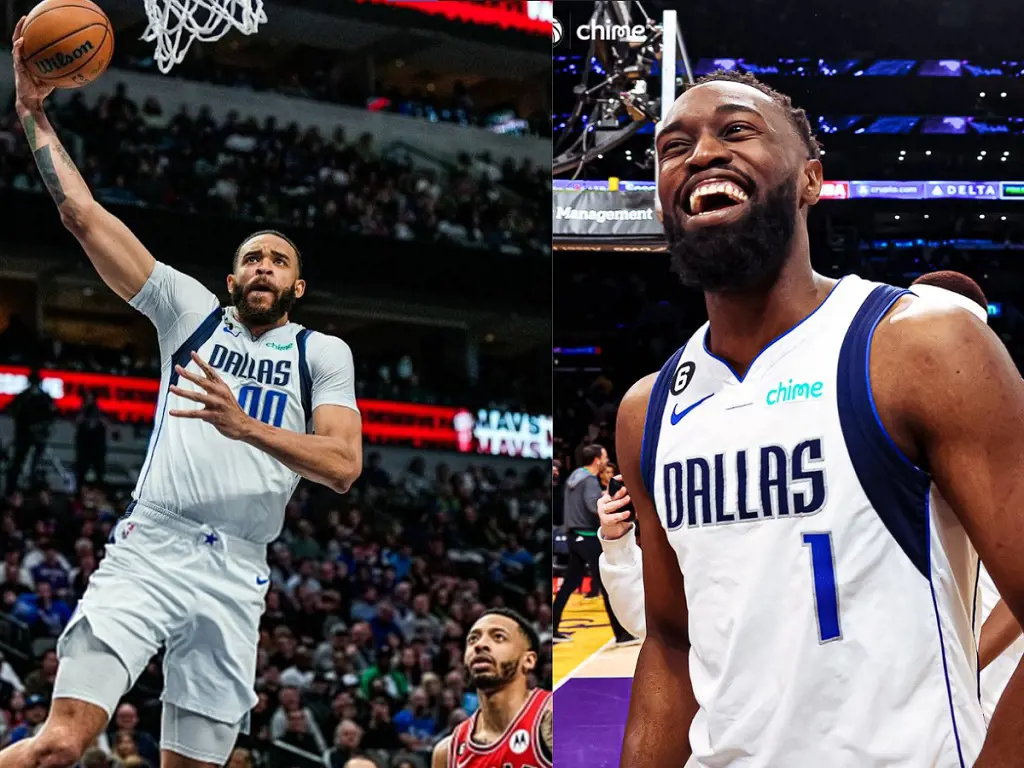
x,y
120,259
662,704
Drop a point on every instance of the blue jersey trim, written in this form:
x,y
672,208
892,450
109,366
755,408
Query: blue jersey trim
x,y
305,377
896,488
974,618
654,417
181,356
942,643
781,336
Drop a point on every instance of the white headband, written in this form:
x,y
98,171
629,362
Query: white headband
x,y
946,296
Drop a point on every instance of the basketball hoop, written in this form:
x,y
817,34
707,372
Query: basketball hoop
x,y
174,24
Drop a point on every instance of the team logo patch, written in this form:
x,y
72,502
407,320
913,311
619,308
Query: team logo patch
x,y
684,375
520,742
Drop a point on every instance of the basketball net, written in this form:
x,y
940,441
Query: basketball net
x,y
174,24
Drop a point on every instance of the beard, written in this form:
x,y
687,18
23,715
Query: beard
x,y
257,316
741,256
492,681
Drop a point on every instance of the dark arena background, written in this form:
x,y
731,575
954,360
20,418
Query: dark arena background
x,y
919,108
406,148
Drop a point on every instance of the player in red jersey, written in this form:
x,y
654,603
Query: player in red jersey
x,y
512,727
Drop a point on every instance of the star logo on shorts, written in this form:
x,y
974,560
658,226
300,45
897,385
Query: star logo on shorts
x,y
211,539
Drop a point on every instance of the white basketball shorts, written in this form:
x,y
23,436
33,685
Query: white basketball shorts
x,y
167,581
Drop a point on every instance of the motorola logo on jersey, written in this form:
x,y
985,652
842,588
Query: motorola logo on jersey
x,y
519,742
242,366
757,484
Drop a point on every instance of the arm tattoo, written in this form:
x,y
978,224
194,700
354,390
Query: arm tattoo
x,y
45,162
66,158
546,730
30,131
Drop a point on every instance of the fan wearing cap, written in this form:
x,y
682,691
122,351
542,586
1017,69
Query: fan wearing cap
x,y
35,714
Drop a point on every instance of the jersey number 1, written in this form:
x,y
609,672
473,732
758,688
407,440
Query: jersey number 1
x,y
250,397
826,593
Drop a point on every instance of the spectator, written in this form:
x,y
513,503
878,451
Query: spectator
x,y
126,723
33,411
52,571
300,735
381,732
40,682
416,726
395,684
35,713
90,442
347,739
45,615
289,714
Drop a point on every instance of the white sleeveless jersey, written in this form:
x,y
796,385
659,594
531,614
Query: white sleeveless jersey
x,y
997,674
191,469
830,588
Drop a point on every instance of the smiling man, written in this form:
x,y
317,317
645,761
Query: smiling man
x,y
249,403
813,471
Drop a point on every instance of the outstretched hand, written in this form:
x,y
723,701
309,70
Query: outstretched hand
x,y
29,92
221,409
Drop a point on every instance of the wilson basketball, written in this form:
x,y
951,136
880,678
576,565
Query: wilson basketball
x,y
68,43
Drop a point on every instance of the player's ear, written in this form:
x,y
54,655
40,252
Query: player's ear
x,y
231,284
529,661
810,182
300,288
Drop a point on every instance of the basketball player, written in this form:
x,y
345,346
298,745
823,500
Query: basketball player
x,y
186,568
810,471
1000,647
512,727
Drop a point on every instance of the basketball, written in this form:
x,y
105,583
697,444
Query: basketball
x,y
68,43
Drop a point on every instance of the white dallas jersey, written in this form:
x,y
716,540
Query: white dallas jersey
x,y
997,674
280,378
830,588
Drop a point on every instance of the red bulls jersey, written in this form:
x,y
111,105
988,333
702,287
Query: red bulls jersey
x,y
518,747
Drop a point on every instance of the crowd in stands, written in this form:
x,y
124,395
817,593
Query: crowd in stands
x,y
380,374
187,161
362,639
308,78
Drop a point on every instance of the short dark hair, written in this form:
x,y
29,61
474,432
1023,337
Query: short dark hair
x,y
797,117
276,233
524,626
592,453
957,283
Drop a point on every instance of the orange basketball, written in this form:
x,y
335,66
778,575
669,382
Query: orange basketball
x,y
68,43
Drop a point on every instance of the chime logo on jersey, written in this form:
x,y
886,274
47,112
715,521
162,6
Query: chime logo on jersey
x,y
520,742
791,482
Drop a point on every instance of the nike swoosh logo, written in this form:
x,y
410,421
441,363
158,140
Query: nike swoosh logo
x,y
678,416
260,581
